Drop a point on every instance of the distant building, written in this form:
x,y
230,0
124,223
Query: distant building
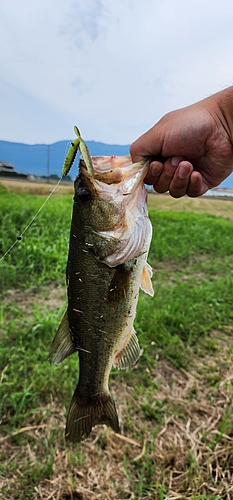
x,y
7,170
220,192
7,167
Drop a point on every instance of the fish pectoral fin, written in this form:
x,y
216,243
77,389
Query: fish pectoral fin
x,y
145,283
129,354
83,415
62,345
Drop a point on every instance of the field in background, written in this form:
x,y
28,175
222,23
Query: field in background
x,y
35,187
221,206
175,405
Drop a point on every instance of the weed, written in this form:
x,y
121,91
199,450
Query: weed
x,y
175,405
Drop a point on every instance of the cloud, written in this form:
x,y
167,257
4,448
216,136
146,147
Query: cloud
x,y
84,22
112,68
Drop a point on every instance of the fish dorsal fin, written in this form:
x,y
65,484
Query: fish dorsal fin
x,y
145,283
129,354
62,345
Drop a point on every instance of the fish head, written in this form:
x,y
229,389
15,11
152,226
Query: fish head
x,y
93,200
110,201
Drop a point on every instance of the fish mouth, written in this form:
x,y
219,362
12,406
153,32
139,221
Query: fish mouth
x,y
118,172
119,182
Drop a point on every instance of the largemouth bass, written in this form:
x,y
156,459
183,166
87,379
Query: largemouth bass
x,y
107,264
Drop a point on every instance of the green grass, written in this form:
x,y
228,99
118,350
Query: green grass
x,y
41,255
193,269
2,189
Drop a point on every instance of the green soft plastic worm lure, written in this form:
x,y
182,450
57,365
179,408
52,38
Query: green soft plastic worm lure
x,y
77,144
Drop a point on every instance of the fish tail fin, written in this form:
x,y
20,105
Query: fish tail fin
x,y
83,415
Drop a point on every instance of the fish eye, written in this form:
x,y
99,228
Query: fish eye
x,y
84,195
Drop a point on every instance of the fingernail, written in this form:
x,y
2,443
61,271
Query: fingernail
x,y
175,160
184,171
194,180
155,169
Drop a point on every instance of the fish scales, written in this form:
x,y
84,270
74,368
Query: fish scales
x,y
103,286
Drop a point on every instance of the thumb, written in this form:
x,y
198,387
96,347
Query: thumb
x,y
148,144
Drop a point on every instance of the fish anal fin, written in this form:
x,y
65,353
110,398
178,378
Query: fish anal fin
x,y
129,354
145,283
83,415
62,345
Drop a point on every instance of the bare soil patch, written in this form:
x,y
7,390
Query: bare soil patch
x,y
49,296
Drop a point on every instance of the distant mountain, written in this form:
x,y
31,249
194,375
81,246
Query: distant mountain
x,y
43,159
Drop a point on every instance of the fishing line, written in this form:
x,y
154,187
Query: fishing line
x,y
77,144
19,238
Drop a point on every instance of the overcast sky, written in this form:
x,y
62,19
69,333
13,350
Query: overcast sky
x,y
112,67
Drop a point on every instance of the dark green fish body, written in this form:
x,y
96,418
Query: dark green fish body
x,y
106,267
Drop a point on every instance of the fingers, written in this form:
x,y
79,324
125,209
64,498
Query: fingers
x,y
180,183
164,177
154,172
187,181
176,176
197,185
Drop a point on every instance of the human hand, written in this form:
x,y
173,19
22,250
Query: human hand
x,y
191,148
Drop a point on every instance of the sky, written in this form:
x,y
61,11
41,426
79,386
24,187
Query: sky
x,y
113,68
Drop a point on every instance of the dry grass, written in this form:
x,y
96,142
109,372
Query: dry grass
x,y
187,451
35,187
222,207
177,439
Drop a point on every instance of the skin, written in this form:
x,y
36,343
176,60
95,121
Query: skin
x,y
191,148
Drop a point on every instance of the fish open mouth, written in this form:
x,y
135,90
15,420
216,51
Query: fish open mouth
x,y
119,182
117,170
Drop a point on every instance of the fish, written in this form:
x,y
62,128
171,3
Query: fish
x,y
110,237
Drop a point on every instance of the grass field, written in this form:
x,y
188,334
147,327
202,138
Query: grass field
x,y
175,405
35,187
